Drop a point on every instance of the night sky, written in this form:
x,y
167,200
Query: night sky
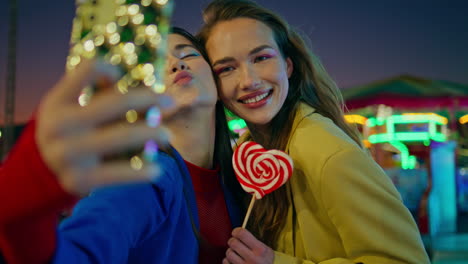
x,y
358,41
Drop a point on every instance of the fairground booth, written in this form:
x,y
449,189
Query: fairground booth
x,y
417,130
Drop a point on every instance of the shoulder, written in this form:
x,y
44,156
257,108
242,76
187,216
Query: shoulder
x,y
317,137
325,153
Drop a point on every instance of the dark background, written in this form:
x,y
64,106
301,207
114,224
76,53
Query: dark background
x,y
358,41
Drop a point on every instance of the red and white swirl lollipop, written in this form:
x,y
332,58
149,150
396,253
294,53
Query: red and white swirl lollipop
x,y
260,171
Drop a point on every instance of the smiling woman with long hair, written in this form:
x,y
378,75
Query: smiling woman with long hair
x,y
339,206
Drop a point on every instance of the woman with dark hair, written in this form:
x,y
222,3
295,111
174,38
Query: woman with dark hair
x,y
185,215
339,206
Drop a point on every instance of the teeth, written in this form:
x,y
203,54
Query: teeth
x,y
255,99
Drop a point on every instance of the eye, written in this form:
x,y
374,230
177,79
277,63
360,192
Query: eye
x,y
262,58
223,70
192,54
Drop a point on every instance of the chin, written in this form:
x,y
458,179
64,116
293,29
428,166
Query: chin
x,y
258,121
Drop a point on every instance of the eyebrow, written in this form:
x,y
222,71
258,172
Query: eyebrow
x,y
183,46
253,51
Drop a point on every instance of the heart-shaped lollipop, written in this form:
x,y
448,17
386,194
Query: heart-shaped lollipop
x,y
261,171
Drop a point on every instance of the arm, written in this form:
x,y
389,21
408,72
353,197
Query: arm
x,y
365,208
107,224
367,211
30,201
59,157
28,186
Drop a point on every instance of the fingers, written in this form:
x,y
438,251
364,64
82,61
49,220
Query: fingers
x,y
249,248
240,248
121,171
115,138
111,106
116,172
76,141
232,257
69,86
245,237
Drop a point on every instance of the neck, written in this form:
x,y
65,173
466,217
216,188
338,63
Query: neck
x,y
260,133
193,135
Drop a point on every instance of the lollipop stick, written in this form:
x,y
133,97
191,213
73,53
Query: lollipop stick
x,y
246,219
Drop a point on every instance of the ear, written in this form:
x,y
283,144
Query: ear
x,y
289,67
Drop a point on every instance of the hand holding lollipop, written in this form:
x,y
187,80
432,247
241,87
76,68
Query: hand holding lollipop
x,y
260,171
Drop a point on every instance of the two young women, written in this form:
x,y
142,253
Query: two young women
x,y
339,206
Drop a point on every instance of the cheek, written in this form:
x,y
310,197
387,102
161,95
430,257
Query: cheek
x,y
223,94
225,87
282,79
202,68
284,84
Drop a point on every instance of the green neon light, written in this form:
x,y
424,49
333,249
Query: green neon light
x,y
439,137
406,136
432,128
411,162
236,124
407,119
397,138
407,161
390,126
372,122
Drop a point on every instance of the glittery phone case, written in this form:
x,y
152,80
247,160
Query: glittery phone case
x,y
130,37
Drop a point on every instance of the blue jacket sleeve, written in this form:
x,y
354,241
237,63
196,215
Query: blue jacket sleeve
x,y
111,221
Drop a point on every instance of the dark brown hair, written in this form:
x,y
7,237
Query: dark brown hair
x,y
309,83
223,147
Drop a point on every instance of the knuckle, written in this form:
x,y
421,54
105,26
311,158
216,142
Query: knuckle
x,y
128,132
229,254
235,243
243,235
58,153
262,251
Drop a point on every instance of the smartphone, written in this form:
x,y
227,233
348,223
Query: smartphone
x,y
129,39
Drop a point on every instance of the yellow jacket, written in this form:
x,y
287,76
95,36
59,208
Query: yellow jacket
x,y
344,208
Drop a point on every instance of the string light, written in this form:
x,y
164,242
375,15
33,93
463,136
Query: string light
x,y
136,163
464,119
356,119
132,116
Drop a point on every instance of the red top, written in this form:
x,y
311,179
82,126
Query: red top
x,y
215,225
30,201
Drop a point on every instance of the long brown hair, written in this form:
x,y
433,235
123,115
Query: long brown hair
x,y
222,137
309,83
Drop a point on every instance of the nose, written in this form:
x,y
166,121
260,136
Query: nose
x,y
178,65
249,79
